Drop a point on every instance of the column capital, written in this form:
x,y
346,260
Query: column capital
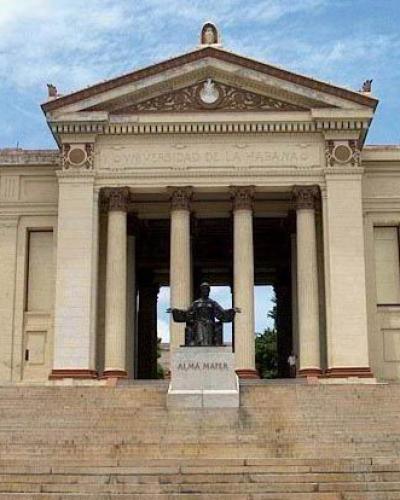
x,y
305,196
115,199
180,197
242,197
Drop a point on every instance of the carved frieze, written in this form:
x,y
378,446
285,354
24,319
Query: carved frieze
x,y
208,153
242,197
342,153
305,196
180,198
77,156
208,95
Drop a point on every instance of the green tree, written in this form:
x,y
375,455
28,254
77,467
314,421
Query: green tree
x,y
267,348
267,353
160,369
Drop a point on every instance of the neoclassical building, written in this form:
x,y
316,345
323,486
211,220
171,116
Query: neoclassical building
x,y
207,166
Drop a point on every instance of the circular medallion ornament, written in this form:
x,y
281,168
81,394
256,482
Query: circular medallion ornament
x,y
209,94
77,156
342,153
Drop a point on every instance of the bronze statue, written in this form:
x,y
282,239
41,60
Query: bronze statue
x,y
202,327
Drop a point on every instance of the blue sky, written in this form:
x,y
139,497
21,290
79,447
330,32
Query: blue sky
x,y
75,43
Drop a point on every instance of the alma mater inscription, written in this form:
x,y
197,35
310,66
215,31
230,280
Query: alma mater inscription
x,y
195,365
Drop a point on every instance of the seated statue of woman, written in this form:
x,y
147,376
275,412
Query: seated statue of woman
x,y
202,327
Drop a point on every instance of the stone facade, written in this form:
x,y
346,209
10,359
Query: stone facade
x,y
68,247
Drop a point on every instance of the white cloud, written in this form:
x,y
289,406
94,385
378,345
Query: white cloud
x,y
163,296
73,43
163,330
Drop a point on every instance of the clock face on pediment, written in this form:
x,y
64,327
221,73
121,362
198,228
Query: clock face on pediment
x,y
204,95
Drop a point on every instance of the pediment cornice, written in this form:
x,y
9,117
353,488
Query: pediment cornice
x,y
350,127
208,57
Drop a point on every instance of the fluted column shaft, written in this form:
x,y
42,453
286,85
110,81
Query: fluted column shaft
x,y
180,260
243,281
307,281
116,283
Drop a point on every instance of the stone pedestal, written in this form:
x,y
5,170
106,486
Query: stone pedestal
x,y
203,377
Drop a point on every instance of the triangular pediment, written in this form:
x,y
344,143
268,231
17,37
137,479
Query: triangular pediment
x,y
205,95
235,83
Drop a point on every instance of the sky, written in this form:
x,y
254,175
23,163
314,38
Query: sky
x,y
76,43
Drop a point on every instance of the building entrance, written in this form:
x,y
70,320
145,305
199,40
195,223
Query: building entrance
x,y
212,261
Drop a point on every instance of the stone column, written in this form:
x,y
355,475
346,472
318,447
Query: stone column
x,y
76,277
307,281
180,266
116,283
8,268
344,251
243,281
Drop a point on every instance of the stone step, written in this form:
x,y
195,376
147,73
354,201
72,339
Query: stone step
x,y
191,465
185,474
114,487
130,496
170,476
122,442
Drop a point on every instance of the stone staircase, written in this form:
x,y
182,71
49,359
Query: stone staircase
x,y
289,441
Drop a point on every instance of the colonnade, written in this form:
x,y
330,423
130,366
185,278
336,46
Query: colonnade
x,y
117,201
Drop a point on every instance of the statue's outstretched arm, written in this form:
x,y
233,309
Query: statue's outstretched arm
x,y
179,315
225,315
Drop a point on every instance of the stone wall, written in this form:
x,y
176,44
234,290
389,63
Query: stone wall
x,y
29,201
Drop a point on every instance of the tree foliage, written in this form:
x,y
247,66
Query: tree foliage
x,y
267,348
160,369
267,353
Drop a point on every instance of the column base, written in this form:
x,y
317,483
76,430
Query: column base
x,y
114,374
353,371
310,372
77,373
249,373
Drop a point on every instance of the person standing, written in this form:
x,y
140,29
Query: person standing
x,y
292,365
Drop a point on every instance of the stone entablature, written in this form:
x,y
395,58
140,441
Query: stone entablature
x,y
40,157
227,126
147,155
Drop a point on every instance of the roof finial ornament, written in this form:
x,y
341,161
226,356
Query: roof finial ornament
x,y
210,36
52,90
367,86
